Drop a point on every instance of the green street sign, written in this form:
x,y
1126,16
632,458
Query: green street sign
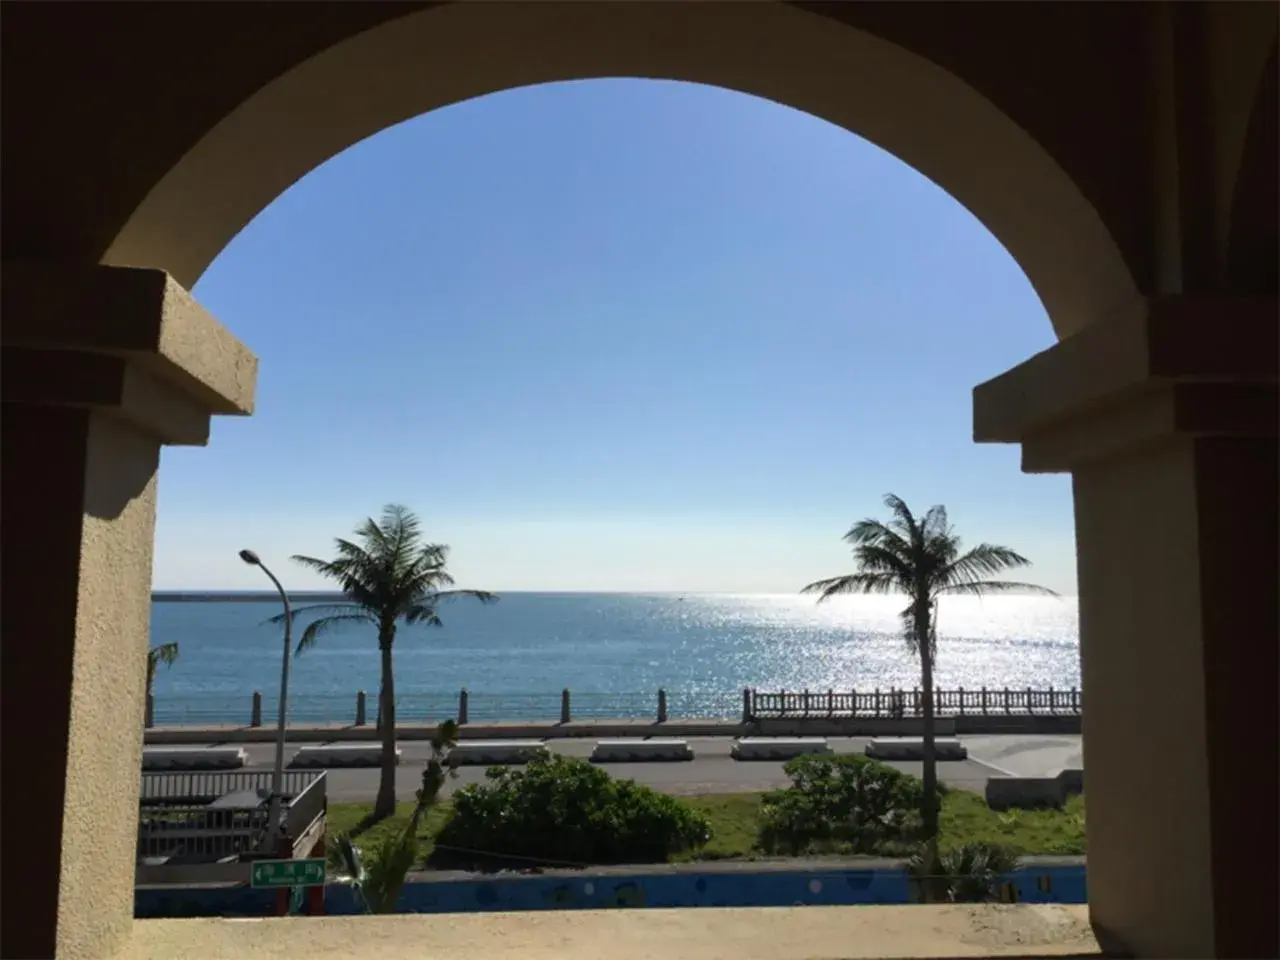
x,y
288,873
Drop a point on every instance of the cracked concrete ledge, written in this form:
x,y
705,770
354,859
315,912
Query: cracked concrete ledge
x,y
769,933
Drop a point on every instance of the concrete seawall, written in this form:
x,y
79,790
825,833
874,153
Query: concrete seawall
x,y
522,730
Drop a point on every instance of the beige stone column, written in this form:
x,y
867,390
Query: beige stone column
x,y
101,366
1168,425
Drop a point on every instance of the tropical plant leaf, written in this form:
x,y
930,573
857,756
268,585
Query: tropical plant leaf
x,y
313,630
852,583
968,874
979,588
166,653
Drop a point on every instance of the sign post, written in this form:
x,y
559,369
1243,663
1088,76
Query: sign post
x,y
288,873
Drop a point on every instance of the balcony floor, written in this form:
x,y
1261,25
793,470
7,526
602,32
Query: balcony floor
x,y
776,933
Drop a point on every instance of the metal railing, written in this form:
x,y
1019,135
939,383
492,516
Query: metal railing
x,y
254,709
561,707
305,806
175,819
895,703
197,786
196,832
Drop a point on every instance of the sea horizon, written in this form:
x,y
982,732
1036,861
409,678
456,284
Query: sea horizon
x,y
197,593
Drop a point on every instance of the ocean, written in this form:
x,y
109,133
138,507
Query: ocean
x,y
612,651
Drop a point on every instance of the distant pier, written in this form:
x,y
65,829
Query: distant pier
x,y
247,596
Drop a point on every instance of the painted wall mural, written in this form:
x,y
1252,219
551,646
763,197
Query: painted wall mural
x,y
1057,883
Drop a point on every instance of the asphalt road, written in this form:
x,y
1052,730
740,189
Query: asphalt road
x,y
713,770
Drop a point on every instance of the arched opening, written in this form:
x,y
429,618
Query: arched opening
x,y
964,145
919,323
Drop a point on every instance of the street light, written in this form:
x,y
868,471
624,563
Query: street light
x,y
277,776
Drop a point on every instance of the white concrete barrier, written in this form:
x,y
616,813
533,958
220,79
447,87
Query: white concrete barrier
x,y
330,755
777,748
193,758
637,751
1052,791
497,752
912,748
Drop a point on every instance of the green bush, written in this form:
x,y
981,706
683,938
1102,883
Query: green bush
x,y
841,804
559,810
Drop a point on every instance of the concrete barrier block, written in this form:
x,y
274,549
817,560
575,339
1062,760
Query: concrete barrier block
x,y
777,748
912,748
639,751
313,756
193,758
497,752
1051,791
1072,781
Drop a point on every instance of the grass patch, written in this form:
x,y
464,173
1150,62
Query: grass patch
x,y
357,820
966,818
734,818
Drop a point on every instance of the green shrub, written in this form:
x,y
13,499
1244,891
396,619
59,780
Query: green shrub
x,y
845,804
563,810
965,874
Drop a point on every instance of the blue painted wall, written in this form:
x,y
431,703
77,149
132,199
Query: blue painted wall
x,y
1039,884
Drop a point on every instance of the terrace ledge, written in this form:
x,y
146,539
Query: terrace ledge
x,y
762,933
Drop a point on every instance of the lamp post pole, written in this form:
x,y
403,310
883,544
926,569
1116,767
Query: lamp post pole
x,y
277,775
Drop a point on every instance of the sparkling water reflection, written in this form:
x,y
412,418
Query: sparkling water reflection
x,y
702,648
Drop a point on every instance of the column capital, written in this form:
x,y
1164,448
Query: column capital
x,y
126,341
1188,366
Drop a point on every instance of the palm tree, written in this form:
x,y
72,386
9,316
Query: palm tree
x,y
166,653
922,560
388,574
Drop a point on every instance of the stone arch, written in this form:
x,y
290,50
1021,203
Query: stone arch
x,y
405,67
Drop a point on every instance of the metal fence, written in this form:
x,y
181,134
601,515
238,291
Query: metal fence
x,y
199,833
910,703
204,786
175,819
470,707
255,709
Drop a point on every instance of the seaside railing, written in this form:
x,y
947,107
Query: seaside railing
x,y
360,708
960,702
748,705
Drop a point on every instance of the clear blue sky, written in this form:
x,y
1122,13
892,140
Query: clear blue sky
x,y
615,334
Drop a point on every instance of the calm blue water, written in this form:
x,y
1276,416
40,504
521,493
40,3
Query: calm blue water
x,y
612,650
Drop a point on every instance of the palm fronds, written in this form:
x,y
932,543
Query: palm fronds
x,y
922,559
388,574
967,874
166,653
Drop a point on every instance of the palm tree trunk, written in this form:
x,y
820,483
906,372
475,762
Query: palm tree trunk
x,y
385,804
929,806
930,774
